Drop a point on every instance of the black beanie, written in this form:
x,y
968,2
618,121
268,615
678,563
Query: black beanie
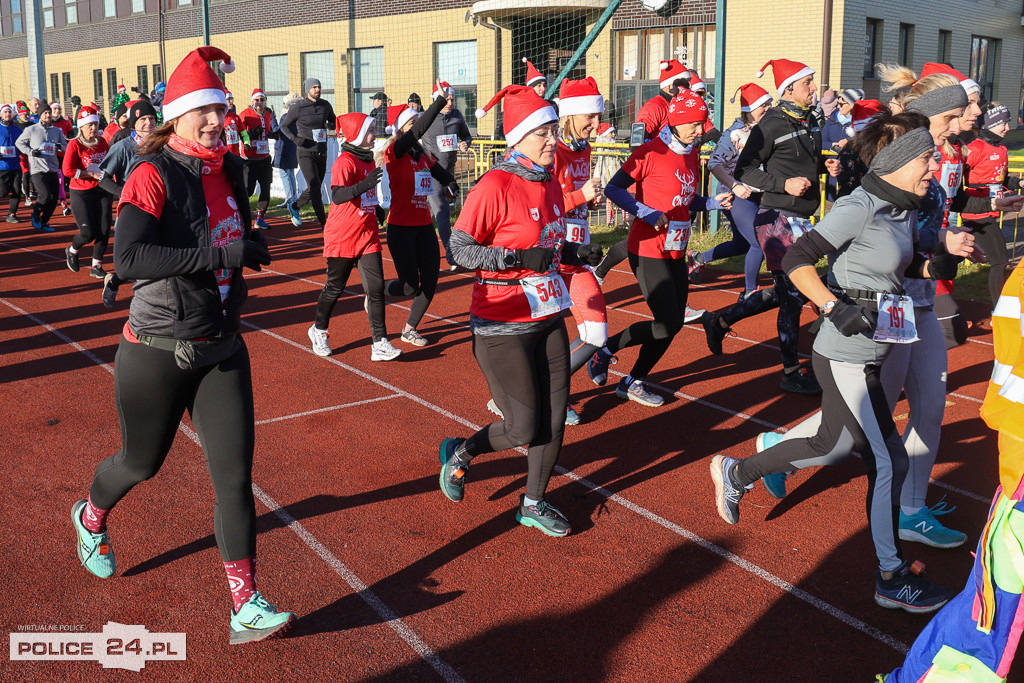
x,y
139,109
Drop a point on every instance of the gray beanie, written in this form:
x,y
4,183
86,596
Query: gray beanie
x,y
310,83
942,99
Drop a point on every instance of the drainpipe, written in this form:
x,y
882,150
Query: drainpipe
x,y
826,46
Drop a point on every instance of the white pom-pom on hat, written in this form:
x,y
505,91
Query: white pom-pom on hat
x,y
480,113
227,67
665,66
759,74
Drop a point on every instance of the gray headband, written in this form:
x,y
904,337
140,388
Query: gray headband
x,y
939,100
902,151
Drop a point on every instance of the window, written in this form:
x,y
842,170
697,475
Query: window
x,y
184,2
138,6
97,87
16,16
455,63
945,46
66,77
48,13
72,13
872,38
984,60
142,75
54,89
905,51
367,77
274,80
320,65
111,84
109,8
158,74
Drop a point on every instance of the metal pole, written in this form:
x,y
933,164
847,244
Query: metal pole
x,y
826,46
602,21
204,21
163,55
36,61
719,92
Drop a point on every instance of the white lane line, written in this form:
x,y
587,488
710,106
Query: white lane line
x,y
386,614
328,409
978,341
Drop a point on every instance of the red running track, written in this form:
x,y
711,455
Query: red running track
x,y
392,581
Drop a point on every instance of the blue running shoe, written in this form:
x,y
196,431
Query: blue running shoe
x,y
774,483
909,591
572,418
727,495
296,218
261,222
922,527
453,470
258,620
637,391
542,516
93,549
597,366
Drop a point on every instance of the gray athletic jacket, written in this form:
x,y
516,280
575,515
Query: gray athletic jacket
x,y
33,138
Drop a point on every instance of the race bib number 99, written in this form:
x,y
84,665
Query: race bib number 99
x,y
547,294
896,322
577,231
677,236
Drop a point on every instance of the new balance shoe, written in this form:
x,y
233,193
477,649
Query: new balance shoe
x,y
261,220
774,483
923,527
320,339
572,418
695,266
71,259
109,293
493,407
258,620
98,273
692,315
94,550
294,213
453,470
908,590
714,332
727,494
413,337
800,382
597,366
636,391
383,350
542,516
11,218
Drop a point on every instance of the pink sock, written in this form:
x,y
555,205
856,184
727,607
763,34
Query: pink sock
x,y
94,519
241,579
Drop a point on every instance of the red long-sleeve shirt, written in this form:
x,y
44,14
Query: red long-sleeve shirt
x,y
79,158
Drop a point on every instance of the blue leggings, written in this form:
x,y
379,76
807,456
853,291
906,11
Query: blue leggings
x,y
743,241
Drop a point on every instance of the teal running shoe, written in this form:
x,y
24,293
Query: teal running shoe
x,y
923,527
774,483
544,517
94,550
258,620
453,471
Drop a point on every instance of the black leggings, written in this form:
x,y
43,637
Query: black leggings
x,y
26,183
788,299
417,261
664,284
313,166
151,394
990,238
47,190
260,171
617,253
91,209
528,375
10,186
371,272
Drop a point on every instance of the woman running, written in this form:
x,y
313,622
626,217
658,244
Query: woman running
x,y
89,202
411,172
351,238
666,172
874,238
184,232
512,231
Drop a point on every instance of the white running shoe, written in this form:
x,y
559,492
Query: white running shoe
x,y
692,315
383,350
321,341
413,337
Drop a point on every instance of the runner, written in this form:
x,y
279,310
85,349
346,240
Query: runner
x,y
258,127
654,113
410,173
68,128
286,159
90,203
873,234
120,98
666,171
233,128
754,102
41,143
535,79
851,167
10,164
120,120
447,136
351,238
306,124
187,290
23,121
519,338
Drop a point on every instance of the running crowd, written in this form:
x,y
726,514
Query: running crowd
x,y
917,185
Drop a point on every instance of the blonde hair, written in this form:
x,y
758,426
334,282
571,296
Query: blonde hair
x,y
906,87
566,126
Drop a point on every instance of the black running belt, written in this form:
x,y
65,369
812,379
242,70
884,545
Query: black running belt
x,y
497,281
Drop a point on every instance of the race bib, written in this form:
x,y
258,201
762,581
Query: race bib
x,y
49,148
547,294
577,231
423,184
368,199
896,323
93,167
995,191
799,225
261,147
7,151
951,175
231,135
677,236
447,143
319,135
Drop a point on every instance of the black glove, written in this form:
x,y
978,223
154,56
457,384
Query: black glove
x,y
851,319
943,266
245,254
257,237
382,215
59,148
452,189
537,259
590,254
37,152
371,180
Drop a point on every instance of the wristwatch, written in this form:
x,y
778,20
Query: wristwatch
x,y
511,261
827,307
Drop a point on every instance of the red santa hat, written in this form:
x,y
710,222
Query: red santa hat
x,y
355,126
398,116
786,72
6,106
56,104
446,90
864,111
696,84
672,71
969,85
687,107
87,115
524,111
121,88
579,97
22,107
752,96
606,130
193,83
257,92
533,77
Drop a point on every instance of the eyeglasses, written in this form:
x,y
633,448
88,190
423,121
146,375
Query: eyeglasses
x,y
257,99
546,133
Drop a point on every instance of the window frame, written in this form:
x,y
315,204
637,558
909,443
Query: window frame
x,y
48,16
112,84
872,42
905,45
66,82
54,95
97,88
158,74
142,78
355,101
329,94
992,50
107,5
138,3
18,18
945,47
466,93
273,96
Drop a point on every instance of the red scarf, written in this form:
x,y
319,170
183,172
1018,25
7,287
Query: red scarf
x,y
213,159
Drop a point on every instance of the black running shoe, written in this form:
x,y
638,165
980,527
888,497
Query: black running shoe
x,y
72,260
908,590
98,272
800,382
714,331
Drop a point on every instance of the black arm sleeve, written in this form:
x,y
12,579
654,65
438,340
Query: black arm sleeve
x,y
1013,183
713,135
111,186
916,267
965,203
442,176
419,127
138,257
810,248
341,193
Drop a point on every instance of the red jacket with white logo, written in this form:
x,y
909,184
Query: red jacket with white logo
x,y
232,132
986,165
78,158
256,127
411,183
